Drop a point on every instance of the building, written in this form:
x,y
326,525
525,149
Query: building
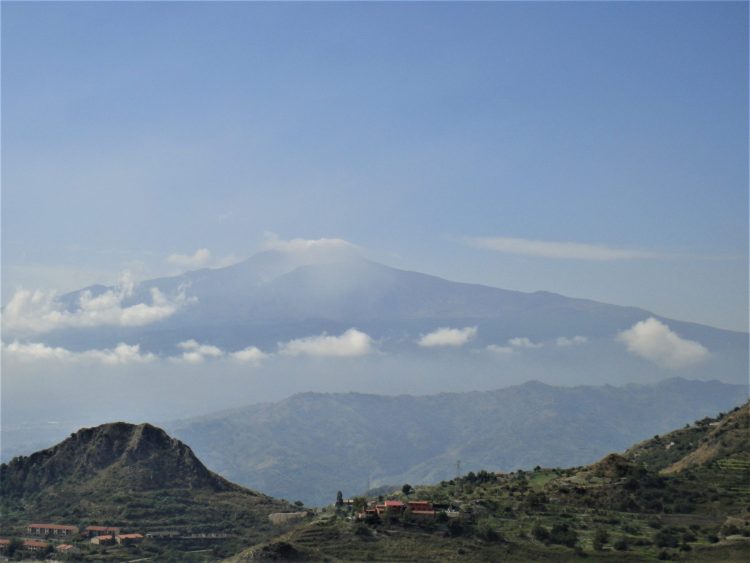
x,y
34,545
422,509
56,530
390,508
65,548
4,543
93,531
129,539
103,540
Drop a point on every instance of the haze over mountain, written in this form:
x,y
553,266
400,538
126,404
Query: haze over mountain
x,y
278,296
311,445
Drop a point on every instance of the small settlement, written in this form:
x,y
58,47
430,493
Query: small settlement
x,y
63,537
390,509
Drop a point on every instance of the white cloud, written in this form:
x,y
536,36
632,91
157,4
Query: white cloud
x,y
500,350
37,351
32,312
196,353
445,336
655,341
564,341
251,354
272,242
561,250
351,343
200,259
523,342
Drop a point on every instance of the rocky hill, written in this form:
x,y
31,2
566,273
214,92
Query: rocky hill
x,y
133,476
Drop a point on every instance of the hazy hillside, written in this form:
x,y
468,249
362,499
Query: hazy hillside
x,y
613,510
311,445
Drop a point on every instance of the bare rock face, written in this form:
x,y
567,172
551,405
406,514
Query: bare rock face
x,y
140,457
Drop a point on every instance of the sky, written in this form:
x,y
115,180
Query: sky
x,y
596,150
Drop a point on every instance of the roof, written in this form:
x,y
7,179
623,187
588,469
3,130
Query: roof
x,y
35,543
393,503
52,526
4,541
130,536
425,512
64,547
101,528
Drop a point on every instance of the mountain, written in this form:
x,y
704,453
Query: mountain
x,y
276,296
616,509
311,445
133,476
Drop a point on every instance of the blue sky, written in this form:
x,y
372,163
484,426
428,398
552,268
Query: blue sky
x,y
134,131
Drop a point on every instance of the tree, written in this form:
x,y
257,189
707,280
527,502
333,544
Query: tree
x,y
407,489
540,532
601,537
359,504
339,498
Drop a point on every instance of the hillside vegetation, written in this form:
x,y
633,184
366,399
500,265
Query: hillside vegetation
x,y
311,445
616,509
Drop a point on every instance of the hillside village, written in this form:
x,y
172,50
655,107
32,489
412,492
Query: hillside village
x,y
681,496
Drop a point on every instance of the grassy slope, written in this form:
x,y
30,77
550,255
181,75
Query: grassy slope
x,y
691,508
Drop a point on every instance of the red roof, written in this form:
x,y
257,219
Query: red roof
x,y
64,547
34,543
4,542
394,503
130,536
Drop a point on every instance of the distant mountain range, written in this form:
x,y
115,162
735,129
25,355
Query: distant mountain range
x,y
311,445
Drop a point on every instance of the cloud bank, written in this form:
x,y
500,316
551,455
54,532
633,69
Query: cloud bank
x,y
33,312
195,353
122,354
200,259
559,250
351,343
565,342
655,341
523,342
448,337
298,245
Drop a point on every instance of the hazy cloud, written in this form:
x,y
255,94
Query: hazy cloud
x,y
195,353
31,312
272,242
351,343
251,354
200,259
554,249
35,351
500,350
564,341
655,341
523,342
448,337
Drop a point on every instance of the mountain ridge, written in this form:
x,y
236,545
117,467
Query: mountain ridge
x,y
268,445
